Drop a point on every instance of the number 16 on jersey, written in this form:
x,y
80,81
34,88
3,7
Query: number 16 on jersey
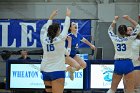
x,y
50,47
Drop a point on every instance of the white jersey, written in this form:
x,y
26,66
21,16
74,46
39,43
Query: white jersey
x,y
53,53
123,45
135,52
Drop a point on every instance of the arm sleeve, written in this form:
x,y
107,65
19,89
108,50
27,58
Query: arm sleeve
x,y
84,39
111,34
44,29
64,32
136,30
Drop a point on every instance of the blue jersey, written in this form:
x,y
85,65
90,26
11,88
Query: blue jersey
x,y
75,42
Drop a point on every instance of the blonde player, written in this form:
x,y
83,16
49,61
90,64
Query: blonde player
x,y
75,62
53,62
123,65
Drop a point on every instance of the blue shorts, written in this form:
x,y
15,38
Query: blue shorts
x,y
137,68
123,67
73,53
50,76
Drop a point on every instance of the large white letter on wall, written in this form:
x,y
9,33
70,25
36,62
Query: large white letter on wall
x,y
26,34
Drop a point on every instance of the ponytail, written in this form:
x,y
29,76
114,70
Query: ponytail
x,y
52,31
70,27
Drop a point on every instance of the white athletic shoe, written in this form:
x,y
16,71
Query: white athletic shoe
x,y
71,73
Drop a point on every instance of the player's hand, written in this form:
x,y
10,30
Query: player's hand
x,y
53,14
116,18
126,17
68,12
69,38
92,47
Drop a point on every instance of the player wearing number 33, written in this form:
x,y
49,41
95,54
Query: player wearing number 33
x,y
123,65
53,62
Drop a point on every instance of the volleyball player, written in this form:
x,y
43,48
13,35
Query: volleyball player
x,y
53,62
123,65
135,60
76,63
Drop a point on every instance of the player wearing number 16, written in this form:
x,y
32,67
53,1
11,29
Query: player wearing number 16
x,y
123,65
53,63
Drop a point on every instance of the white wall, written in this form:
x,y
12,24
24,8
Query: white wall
x,y
38,10
42,10
131,9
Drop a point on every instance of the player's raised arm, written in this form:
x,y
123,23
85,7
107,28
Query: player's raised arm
x,y
111,28
46,25
133,22
67,23
53,14
114,21
88,43
68,50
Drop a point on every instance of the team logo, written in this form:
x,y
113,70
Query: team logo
x,y
107,75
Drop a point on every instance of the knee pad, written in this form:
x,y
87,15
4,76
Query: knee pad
x,y
48,87
110,91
